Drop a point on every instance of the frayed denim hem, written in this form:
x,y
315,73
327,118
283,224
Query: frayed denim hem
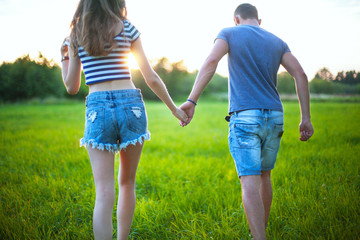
x,y
140,140
113,147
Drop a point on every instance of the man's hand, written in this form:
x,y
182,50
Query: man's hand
x,y
306,130
189,109
180,114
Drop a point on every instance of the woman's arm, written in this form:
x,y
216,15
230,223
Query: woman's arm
x,y
153,80
71,69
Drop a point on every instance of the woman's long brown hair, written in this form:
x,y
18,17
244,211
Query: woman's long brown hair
x,y
94,26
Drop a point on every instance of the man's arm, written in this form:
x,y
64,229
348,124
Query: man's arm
x,y
204,76
294,68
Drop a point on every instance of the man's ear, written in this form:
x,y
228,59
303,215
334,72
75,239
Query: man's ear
x,y
237,20
259,22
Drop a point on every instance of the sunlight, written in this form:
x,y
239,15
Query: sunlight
x,y
132,62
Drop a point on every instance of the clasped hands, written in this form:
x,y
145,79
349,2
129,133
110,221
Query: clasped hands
x,y
185,113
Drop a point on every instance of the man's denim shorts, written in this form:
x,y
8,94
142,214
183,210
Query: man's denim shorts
x,y
115,119
254,140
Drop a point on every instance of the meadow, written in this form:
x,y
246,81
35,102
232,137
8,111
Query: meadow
x,y
187,186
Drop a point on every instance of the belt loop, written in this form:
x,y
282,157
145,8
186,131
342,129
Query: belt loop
x,y
262,111
269,111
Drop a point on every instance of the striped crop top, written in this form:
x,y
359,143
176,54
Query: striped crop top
x,y
115,65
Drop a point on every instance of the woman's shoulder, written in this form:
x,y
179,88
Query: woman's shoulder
x,y
127,23
130,31
128,26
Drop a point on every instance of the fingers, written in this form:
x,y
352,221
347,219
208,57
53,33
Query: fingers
x,y
305,135
184,118
66,41
185,123
181,115
188,109
64,45
306,130
182,123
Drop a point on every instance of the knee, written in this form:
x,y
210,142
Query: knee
x,y
106,194
250,192
250,185
126,182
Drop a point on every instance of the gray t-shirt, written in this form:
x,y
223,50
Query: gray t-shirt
x,y
254,59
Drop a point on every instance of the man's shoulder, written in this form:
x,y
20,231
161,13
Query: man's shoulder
x,y
227,29
270,34
242,29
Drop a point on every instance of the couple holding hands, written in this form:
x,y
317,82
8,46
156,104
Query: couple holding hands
x,y
99,44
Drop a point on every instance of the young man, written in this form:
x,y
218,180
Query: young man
x,y
256,122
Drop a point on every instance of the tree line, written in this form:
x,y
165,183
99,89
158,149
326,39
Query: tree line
x,y
27,78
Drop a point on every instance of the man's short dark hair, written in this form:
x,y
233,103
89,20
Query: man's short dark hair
x,y
246,11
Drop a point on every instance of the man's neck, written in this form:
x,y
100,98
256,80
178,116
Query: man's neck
x,y
252,22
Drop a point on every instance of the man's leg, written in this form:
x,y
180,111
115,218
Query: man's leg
x,y
266,193
253,204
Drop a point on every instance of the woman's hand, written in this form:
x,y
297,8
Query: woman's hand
x,y
180,114
64,50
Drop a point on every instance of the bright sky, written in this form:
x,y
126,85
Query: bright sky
x,y
320,33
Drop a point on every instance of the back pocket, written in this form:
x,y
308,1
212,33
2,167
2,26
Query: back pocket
x,y
94,122
247,135
136,117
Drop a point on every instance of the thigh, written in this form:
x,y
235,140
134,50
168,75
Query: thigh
x,y
102,163
271,143
129,161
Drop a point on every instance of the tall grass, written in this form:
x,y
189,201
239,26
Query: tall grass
x,y
187,187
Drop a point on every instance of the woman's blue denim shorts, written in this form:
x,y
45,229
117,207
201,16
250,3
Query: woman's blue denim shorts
x,y
114,120
254,140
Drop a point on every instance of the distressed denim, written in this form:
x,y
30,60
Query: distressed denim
x,y
254,140
114,120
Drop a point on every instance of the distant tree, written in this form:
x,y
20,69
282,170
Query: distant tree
x,y
218,84
340,76
318,85
175,76
26,78
349,77
285,83
177,79
324,74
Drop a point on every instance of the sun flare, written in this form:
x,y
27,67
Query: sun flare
x,y
132,62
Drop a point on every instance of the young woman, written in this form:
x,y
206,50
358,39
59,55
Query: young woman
x,y
100,41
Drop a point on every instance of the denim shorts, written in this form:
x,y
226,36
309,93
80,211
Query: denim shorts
x,y
114,120
254,140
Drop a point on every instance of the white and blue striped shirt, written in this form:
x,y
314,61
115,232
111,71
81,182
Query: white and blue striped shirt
x,y
115,65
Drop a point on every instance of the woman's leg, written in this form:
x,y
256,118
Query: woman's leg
x,y
126,201
102,163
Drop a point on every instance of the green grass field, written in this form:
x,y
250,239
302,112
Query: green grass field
x,y
187,187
